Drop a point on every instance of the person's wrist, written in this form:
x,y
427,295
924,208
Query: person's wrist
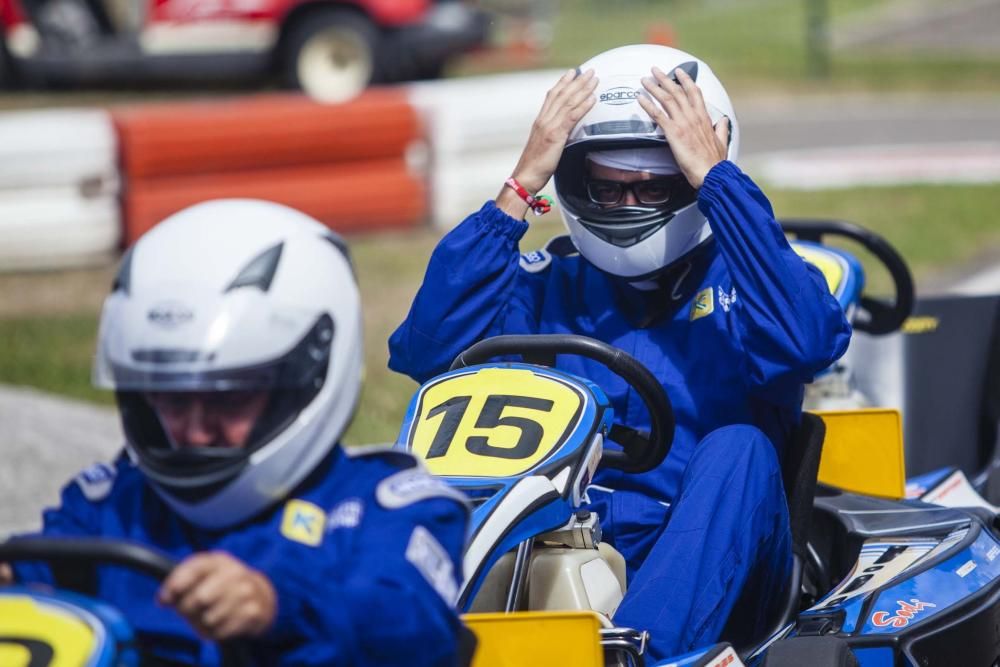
x,y
539,204
530,182
510,203
697,176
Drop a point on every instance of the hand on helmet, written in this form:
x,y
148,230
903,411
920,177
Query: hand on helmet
x,y
565,104
680,111
220,596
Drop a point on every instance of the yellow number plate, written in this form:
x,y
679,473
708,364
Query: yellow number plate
x,y
30,629
494,422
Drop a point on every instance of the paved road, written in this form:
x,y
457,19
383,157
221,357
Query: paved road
x,y
46,440
777,124
819,142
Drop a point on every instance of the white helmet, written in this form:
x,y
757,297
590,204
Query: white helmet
x,y
234,295
635,242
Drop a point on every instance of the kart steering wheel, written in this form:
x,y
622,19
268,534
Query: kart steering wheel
x,y
873,316
66,556
641,451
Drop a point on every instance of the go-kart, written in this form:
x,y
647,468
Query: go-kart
x,y
936,359
877,579
41,627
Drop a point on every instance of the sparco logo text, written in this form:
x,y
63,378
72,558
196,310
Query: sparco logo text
x,y
170,315
619,95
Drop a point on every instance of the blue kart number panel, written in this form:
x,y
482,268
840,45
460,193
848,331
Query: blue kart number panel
x,y
493,422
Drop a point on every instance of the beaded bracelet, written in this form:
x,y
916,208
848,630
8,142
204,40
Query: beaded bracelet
x,y
539,205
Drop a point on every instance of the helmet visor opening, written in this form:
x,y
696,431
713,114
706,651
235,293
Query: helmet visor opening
x,y
595,195
261,401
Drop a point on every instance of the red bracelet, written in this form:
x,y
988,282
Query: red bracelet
x,y
539,205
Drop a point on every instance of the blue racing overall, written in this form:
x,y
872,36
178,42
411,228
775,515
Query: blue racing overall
x,y
365,558
733,331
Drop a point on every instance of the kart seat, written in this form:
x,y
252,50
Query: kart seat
x,y
799,472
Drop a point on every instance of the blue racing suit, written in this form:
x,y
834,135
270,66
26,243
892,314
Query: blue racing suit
x,y
365,558
733,331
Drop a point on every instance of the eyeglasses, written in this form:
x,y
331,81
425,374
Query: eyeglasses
x,y
653,192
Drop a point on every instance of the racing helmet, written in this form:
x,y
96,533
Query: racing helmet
x,y
234,296
635,241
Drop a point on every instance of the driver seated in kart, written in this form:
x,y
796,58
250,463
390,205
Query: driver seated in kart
x,y
674,256
232,338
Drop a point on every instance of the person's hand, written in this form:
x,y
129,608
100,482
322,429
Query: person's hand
x,y
220,596
565,104
6,575
679,109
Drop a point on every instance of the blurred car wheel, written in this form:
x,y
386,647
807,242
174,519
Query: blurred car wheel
x,y
331,54
6,70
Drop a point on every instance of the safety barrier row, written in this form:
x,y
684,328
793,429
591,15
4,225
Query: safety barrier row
x,y
344,165
77,185
59,187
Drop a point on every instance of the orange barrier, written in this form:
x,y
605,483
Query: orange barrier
x,y
344,165
350,197
262,132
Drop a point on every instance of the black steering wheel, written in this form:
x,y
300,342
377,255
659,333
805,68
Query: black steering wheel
x,y
641,451
873,316
73,562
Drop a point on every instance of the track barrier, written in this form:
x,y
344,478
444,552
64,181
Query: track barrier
x,y
76,186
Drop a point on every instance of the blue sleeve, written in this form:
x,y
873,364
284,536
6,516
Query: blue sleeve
x,y
788,323
76,516
473,289
386,606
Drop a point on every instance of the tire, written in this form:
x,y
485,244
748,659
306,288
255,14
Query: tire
x,y
819,651
331,54
6,69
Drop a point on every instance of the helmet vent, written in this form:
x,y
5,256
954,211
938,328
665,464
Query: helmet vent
x,y
690,68
620,127
123,279
260,271
166,356
338,242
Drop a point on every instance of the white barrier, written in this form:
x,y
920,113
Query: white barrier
x,y
55,228
476,128
460,184
58,189
75,147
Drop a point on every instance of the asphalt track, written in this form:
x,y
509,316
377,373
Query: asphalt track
x,y
826,141
780,124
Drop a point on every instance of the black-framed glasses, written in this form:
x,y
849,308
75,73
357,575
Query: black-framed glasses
x,y
652,192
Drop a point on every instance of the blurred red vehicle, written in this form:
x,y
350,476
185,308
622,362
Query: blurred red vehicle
x,y
330,48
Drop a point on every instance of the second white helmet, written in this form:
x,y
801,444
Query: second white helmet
x,y
635,241
234,296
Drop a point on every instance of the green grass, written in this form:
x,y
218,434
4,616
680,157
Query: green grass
x,y
754,44
51,353
934,228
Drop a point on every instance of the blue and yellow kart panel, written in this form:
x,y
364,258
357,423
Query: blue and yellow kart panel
x,y
59,630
